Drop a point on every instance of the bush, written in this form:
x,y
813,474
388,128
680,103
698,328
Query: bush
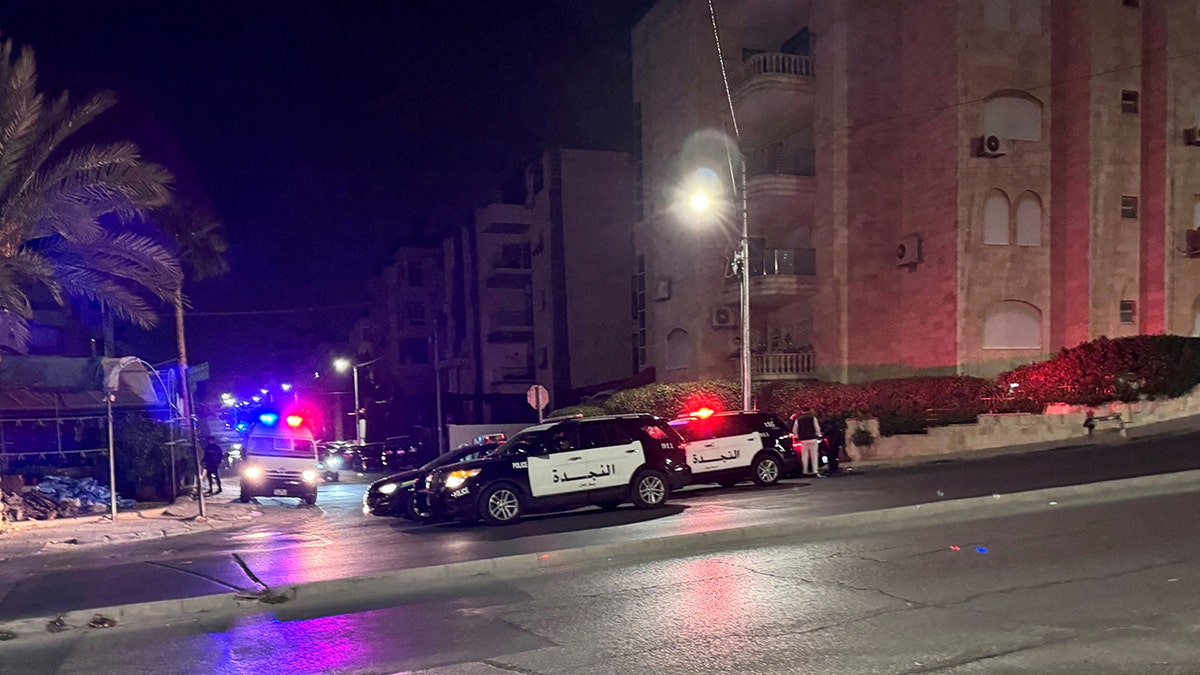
x,y
581,409
1104,370
143,457
862,437
674,399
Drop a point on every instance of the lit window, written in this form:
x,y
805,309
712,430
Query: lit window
x,y
1129,207
1129,102
1128,309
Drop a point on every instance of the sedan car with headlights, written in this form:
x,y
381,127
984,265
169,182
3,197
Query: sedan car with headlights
x,y
396,495
561,465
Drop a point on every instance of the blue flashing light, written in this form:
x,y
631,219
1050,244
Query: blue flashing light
x,y
268,419
242,426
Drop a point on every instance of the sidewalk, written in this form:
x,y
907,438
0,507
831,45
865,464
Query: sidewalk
x,y
64,534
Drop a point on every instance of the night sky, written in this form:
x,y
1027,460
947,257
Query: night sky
x,y
326,134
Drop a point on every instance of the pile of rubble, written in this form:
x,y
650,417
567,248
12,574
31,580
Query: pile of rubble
x,y
57,497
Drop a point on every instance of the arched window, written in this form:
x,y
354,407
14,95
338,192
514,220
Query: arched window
x,y
1196,317
1013,116
1012,325
995,218
1018,16
679,349
1196,214
1029,220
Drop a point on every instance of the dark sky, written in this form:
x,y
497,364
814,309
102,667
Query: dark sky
x,y
325,134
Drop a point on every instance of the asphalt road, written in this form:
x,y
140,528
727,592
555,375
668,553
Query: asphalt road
x,y
293,544
1104,588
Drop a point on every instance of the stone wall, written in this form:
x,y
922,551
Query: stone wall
x,y
1058,423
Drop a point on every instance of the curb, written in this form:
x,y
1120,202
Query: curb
x,y
395,582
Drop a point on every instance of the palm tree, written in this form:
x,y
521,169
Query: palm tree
x,y
69,215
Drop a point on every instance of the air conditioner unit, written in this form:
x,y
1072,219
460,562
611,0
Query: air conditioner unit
x,y
991,145
908,251
724,317
1191,136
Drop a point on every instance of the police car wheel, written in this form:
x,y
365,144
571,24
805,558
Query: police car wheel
x,y
310,499
244,498
650,490
500,505
415,509
765,470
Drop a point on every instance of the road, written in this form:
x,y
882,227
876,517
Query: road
x,y
293,544
1106,588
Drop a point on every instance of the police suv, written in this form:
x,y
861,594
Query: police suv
x,y
730,447
561,465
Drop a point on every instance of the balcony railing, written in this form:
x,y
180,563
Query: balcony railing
x,y
512,374
512,319
801,262
774,63
781,364
778,159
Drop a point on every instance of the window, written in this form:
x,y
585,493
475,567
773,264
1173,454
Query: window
x,y
1129,102
679,349
1029,220
1014,116
415,277
1012,324
1017,16
1128,309
414,350
1129,207
637,306
414,313
602,435
995,218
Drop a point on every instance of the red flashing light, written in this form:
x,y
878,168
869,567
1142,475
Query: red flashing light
x,y
702,413
294,421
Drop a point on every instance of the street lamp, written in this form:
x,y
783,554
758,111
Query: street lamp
x,y
701,199
342,364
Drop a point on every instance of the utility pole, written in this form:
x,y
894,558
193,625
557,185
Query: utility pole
x,y
186,398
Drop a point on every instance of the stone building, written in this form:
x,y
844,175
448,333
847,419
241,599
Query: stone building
x,y
933,186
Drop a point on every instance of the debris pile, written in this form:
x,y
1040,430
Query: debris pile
x,y
58,497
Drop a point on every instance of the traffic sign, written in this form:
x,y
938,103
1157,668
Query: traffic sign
x,y
538,397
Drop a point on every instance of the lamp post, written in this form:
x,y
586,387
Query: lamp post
x,y
341,365
702,202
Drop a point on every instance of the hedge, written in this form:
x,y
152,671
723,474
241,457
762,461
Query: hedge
x,y
674,399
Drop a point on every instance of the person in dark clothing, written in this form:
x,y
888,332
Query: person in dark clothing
x,y
214,457
835,436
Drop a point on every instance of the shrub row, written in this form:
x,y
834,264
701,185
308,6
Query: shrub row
x,y
1093,373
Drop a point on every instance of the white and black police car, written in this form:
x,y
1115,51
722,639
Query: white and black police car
x,y
729,447
559,465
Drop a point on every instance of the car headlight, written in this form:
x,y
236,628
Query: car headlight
x,y
334,462
309,476
387,488
457,478
252,473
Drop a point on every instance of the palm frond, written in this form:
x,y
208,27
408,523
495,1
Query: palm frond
x,y
121,298
14,332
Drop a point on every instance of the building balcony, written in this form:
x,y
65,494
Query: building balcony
x,y
781,365
778,170
777,276
774,93
512,375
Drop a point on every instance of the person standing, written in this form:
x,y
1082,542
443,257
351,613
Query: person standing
x,y
835,438
214,457
808,431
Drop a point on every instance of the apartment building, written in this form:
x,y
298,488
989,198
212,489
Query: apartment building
x,y
933,186
536,290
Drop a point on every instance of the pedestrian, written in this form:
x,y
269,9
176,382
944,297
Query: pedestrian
x,y
214,457
808,431
835,438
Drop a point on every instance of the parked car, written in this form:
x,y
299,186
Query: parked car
x,y
562,465
365,458
405,452
396,494
729,447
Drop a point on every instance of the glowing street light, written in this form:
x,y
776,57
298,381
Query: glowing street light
x,y
342,365
286,386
